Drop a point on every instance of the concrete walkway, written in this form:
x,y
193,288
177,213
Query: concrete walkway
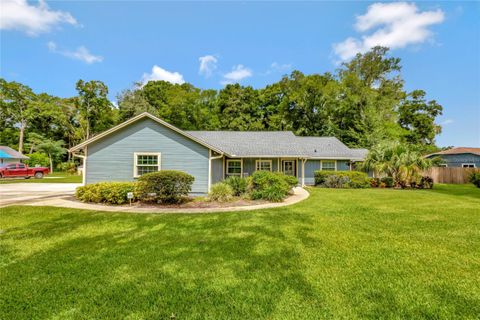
x,y
69,202
25,193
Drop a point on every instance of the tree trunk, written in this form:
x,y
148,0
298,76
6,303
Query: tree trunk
x,y
51,162
23,124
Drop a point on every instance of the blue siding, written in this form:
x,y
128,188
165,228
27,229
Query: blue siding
x,y
310,167
249,165
343,165
217,167
456,160
111,158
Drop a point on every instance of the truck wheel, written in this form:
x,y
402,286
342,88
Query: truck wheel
x,y
38,175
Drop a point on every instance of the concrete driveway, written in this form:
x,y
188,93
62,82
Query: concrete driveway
x,y
26,193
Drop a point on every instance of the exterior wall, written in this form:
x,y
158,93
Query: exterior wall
x,y
456,160
112,157
217,169
313,165
9,160
310,167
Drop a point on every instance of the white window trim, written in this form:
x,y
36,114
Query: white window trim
x,y
135,157
258,161
443,165
321,164
468,164
241,167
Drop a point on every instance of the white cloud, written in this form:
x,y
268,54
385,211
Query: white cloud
x,y
446,121
31,19
208,64
162,74
81,53
394,25
276,67
238,73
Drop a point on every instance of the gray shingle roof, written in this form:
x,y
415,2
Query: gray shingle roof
x,y
277,144
9,153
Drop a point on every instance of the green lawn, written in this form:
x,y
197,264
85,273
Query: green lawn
x,y
374,253
56,177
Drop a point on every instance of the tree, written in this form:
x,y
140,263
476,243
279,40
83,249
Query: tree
x,y
308,103
18,103
401,162
238,108
95,110
417,117
54,149
371,92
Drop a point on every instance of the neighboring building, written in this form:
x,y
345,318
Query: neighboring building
x,y
8,155
459,157
146,143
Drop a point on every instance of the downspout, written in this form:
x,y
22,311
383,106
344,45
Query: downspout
x,y
210,158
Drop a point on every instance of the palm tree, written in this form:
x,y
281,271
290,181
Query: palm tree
x,y
401,162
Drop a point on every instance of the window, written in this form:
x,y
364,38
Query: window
x,y
146,163
21,166
234,167
468,165
328,165
12,166
263,165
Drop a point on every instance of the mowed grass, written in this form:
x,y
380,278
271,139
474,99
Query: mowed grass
x,y
341,254
56,177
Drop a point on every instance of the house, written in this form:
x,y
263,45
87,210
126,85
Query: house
x,y
459,157
146,143
8,155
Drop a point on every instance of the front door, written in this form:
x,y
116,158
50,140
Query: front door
x,y
289,167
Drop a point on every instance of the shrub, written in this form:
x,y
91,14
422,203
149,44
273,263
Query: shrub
x,y
37,159
271,186
68,166
238,185
167,186
357,179
291,180
475,178
336,181
388,181
221,192
426,182
105,192
375,182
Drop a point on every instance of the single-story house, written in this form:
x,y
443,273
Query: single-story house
x,y
8,155
146,143
459,157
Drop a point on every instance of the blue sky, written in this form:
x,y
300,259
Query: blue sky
x,y
49,46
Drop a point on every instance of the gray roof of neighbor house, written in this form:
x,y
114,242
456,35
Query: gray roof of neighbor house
x,y
9,153
277,144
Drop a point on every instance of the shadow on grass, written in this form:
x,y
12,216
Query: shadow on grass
x,y
153,268
69,263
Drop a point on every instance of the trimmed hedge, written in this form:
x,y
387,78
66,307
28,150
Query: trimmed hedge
x,y
105,192
166,186
271,186
356,179
221,192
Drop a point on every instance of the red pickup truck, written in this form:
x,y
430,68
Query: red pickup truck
x,y
20,170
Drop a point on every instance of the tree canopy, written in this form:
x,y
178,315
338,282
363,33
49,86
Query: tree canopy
x,y
363,103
